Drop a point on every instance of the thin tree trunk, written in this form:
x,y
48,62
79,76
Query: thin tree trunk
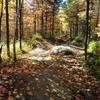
x,y
70,30
16,31
87,30
98,14
50,26
0,30
0,40
42,19
46,19
76,26
17,12
53,21
20,22
77,22
7,28
73,30
22,18
14,43
90,31
35,23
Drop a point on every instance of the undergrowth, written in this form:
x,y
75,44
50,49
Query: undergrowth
x,y
93,62
19,53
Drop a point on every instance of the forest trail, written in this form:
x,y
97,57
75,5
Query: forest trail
x,y
43,51
38,54
56,69
60,78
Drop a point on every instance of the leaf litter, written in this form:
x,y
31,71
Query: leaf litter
x,y
62,78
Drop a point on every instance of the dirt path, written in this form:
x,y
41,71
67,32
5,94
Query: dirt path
x,y
66,81
38,54
43,52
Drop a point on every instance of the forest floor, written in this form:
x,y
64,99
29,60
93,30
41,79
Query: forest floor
x,y
39,76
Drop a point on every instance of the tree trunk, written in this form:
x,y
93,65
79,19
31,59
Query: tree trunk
x,y
35,23
76,26
0,29
50,27
98,14
90,31
46,19
16,31
70,26
73,30
17,12
53,21
42,22
14,41
87,30
7,28
20,22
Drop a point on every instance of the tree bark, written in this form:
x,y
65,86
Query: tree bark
x,y
16,31
70,26
14,41
76,26
46,19
42,22
98,14
0,29
7,29
53,21
87,30
20,22
17,12
35,23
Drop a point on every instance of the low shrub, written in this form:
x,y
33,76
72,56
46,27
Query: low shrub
x,y
36,38
93,62
79,38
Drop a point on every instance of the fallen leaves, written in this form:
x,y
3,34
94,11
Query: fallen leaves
x,y
53,79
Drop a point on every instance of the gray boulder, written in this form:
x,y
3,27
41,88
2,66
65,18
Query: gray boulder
x,y
65,50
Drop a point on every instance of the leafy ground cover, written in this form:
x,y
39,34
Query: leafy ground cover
x,y
50,80
61,78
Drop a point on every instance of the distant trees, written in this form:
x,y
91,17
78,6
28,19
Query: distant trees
x,y
44,19
72,10
55,7
46,11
